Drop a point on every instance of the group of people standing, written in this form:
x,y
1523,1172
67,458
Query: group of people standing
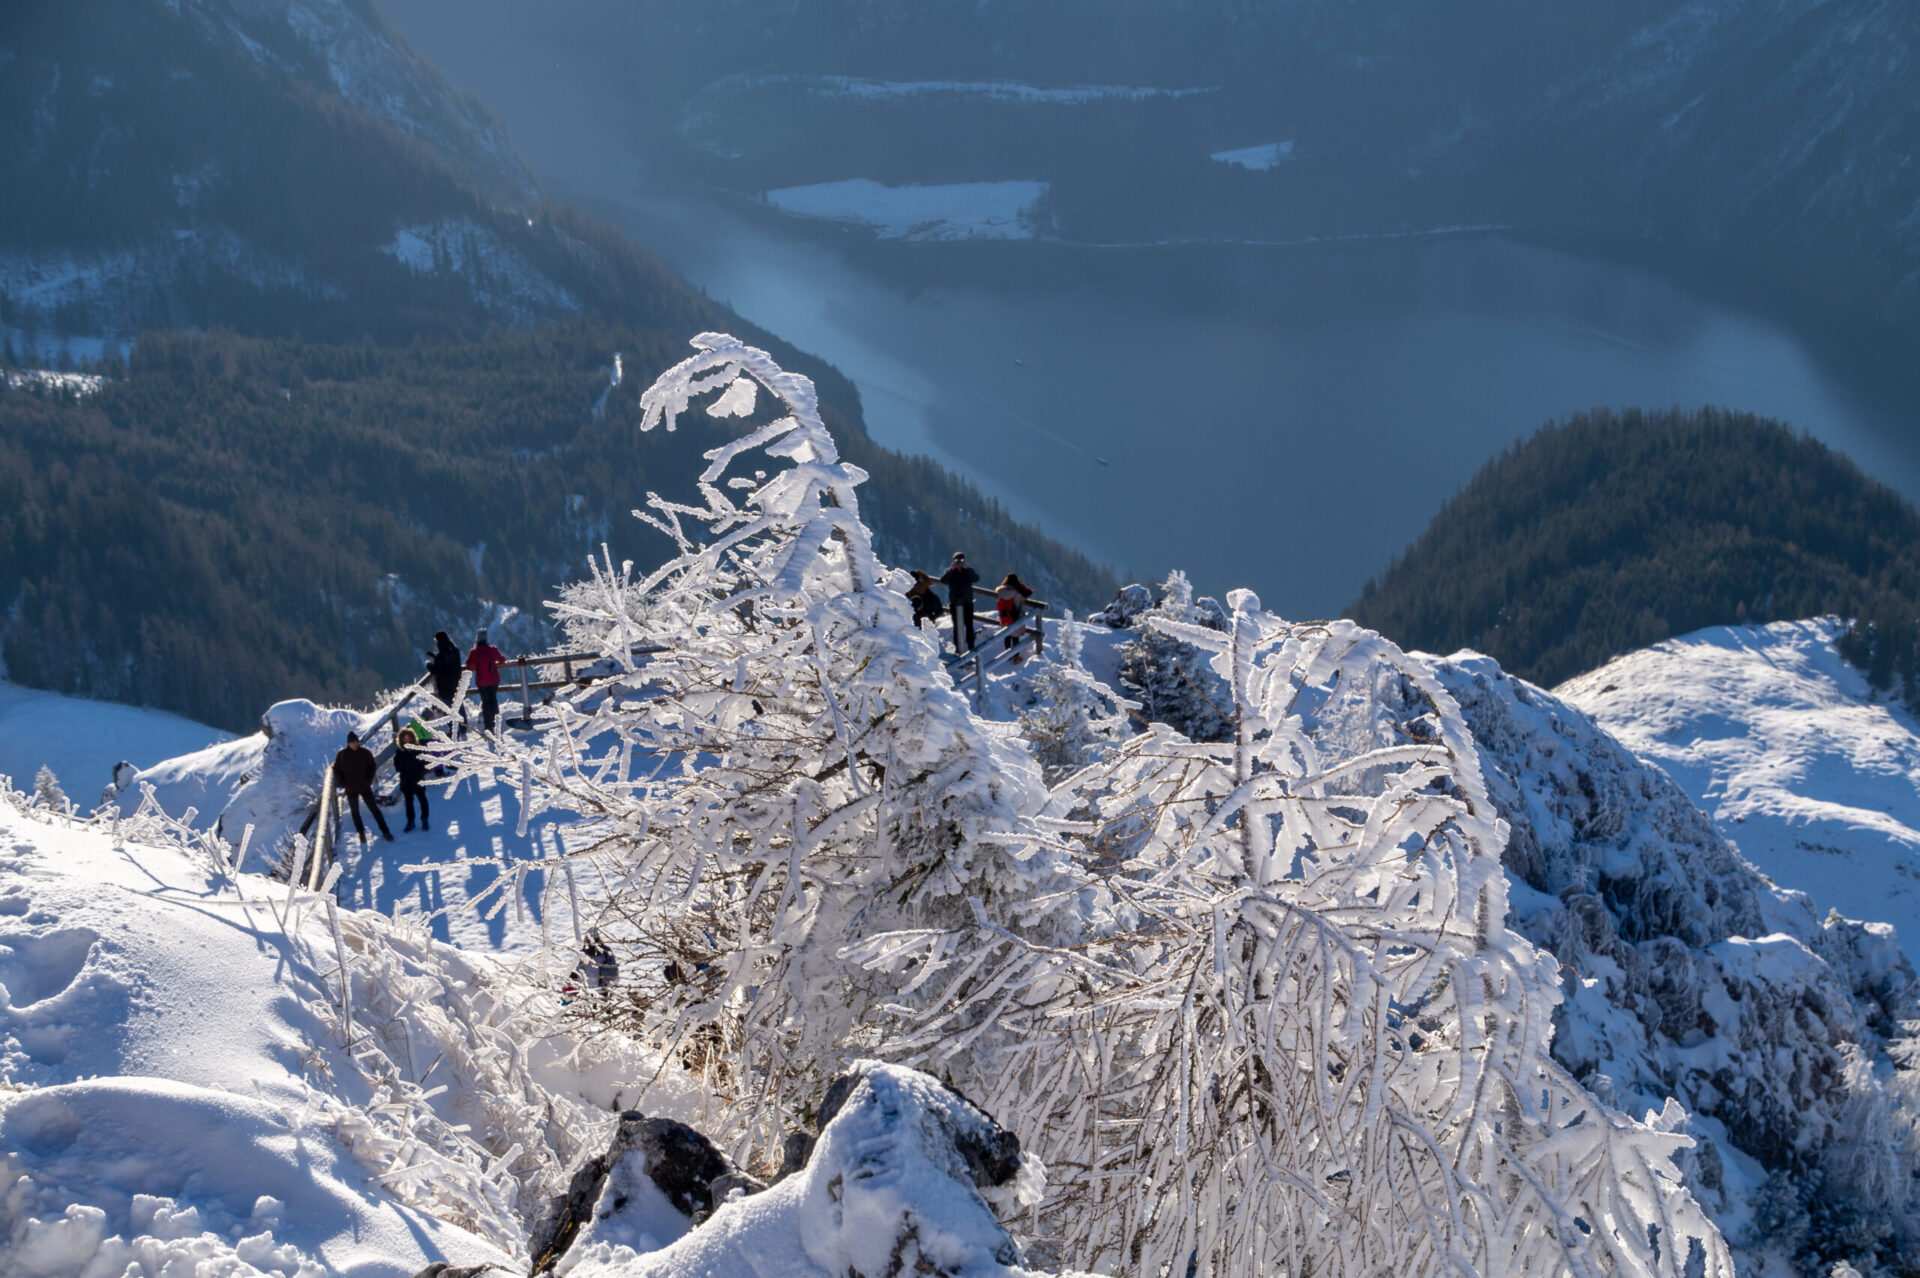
x,y
1010,601
356,770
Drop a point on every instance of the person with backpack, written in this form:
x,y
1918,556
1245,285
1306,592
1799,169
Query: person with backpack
x,y
1011,600
485,661
411,765
355,769
443,668
960,580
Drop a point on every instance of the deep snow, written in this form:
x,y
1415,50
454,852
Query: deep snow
x,y
162,1068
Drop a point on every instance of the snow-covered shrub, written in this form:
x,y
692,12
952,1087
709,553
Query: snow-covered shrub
x,y
1253,1002
795,774
1077,717
1170,677
1298,1035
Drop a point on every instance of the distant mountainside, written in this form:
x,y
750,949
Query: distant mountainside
x,y
390,410
1783,1027
1768,138
1800,764
1611,531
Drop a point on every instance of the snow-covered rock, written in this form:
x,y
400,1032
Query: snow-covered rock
x,y
897,1182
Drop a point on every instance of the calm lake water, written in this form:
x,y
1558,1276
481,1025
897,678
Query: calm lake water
x,y
1286,419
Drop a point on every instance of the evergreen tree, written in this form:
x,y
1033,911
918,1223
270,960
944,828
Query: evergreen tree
x,y
1169,677
1078,719
46,789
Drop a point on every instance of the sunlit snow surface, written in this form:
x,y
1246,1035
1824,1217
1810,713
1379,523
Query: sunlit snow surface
x,y
1770,731
949,211
1259,158
82,740
157,1045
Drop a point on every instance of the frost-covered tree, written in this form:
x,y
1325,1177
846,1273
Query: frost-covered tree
x,y
1253,1002
795,774
1078,718
1298,1036
1170,677
46,789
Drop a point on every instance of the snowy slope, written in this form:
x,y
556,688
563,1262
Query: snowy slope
x,y
270,781
1781,1027
82,740
173,1092
1770,731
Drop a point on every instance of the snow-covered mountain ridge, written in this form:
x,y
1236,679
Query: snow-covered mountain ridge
x,y
1385,896
1785,1029
1800,763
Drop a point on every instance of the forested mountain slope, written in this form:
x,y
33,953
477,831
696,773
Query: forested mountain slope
x,y
1612,531
390,418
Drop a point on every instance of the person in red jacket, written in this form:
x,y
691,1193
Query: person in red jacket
x,y
1010,599
485,661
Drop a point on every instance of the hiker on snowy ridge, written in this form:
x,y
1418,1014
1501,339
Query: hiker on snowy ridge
x,y
485,661
444,667
355,769
960,580
926,604
1011,601
411,765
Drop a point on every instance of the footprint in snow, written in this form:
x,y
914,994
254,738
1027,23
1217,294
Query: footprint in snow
x,y
36,967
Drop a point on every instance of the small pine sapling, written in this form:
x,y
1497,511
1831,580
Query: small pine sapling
x,y
47,791
1169,677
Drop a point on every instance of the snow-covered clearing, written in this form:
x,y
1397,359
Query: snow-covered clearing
x,y
82,740
947,211
1258,158
841,86
67,383
1769,730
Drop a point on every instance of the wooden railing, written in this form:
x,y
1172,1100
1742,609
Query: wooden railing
x,y
970,665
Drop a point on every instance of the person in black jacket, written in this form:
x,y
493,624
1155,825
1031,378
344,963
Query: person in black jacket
x,y
959,581
412,767
926,604
444,665
355,769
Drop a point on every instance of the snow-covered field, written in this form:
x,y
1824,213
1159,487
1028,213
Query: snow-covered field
x,y
948,211
852,87
1258,158
1767,728
82,740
